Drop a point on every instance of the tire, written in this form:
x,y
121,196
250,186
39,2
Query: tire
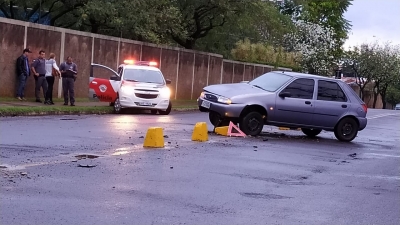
x,y
311,132
111,104
153,111
252,123
346,130
216,119
167,111
117,106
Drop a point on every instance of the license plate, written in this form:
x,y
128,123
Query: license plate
x,y
145,103
206,104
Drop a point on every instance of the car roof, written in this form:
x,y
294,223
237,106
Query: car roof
x,y
141,67
304,75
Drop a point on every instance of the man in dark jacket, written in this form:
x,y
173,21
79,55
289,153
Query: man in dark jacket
x,y
23,72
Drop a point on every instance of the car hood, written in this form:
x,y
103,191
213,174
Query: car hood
x,y
232,90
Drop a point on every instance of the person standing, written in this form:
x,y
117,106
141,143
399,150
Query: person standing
x,y
52,71
69,73
39,70
23,72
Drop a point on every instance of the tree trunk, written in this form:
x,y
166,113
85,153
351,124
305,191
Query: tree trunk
x,y
375,99
383,101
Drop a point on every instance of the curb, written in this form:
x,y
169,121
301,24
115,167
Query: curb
x,y
54,113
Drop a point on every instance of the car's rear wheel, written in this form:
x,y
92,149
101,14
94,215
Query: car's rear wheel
x,y
311,132
117,106
252,123
167,111
346,129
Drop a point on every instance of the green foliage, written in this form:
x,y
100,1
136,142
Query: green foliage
x,y
361,61
264,54
393,95
327,13
259,22
380,65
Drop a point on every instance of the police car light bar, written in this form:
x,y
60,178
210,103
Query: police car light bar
x,y
129,61
139,63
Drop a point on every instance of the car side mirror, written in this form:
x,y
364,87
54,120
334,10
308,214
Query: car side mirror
x,y
168,81
114,78
284,94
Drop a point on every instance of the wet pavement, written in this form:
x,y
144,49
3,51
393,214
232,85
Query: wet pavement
x,y
93,170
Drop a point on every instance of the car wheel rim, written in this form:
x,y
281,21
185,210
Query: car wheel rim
x,y
117,106
347,129
253,124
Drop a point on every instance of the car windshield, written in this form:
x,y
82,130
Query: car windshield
x,y
143,75
270,81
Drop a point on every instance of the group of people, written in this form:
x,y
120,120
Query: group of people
x,y
45,71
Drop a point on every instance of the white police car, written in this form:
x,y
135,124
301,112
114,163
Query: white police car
x,y
137,84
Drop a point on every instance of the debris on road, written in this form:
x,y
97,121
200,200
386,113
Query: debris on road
x,y
86,157
353,155
86,166
24,173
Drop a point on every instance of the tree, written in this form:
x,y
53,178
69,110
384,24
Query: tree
x,y
264,54
393,94
260,22
388,71
151,20
35,10
362,61
199,17
314,44
326,13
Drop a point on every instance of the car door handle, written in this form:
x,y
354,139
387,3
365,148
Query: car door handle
x,y
308,102
344,106
94,82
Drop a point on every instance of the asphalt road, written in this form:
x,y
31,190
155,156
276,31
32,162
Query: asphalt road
x,y
280,177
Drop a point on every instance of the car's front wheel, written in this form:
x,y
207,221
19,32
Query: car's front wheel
x,y
217,120
117,106
346,129
252,123
167,111
311,132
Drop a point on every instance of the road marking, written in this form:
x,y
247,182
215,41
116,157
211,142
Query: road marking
x,y
382,115
382,155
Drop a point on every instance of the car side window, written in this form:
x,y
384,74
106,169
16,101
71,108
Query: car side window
x,y
330,91
301,88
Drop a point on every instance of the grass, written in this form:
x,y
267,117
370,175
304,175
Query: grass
x,y
32,109
52,110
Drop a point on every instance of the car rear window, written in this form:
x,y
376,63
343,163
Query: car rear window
x,y
270,81
351,90
143,75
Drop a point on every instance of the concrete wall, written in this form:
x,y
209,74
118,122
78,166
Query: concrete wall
x,y
189,70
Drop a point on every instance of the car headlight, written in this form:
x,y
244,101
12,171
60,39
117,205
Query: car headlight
x,y
202,95
127,90
224,100
165,92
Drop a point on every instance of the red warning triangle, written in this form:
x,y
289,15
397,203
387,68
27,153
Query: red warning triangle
x,y
239,132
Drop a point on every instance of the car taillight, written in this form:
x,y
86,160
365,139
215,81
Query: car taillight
x,y
365,108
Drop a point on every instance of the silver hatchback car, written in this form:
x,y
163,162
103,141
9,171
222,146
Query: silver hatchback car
x,y
287,99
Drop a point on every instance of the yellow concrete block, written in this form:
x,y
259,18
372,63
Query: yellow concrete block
x,y
222,130
154,138
284,128
200,132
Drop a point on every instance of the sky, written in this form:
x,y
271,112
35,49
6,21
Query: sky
x,y
373,20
